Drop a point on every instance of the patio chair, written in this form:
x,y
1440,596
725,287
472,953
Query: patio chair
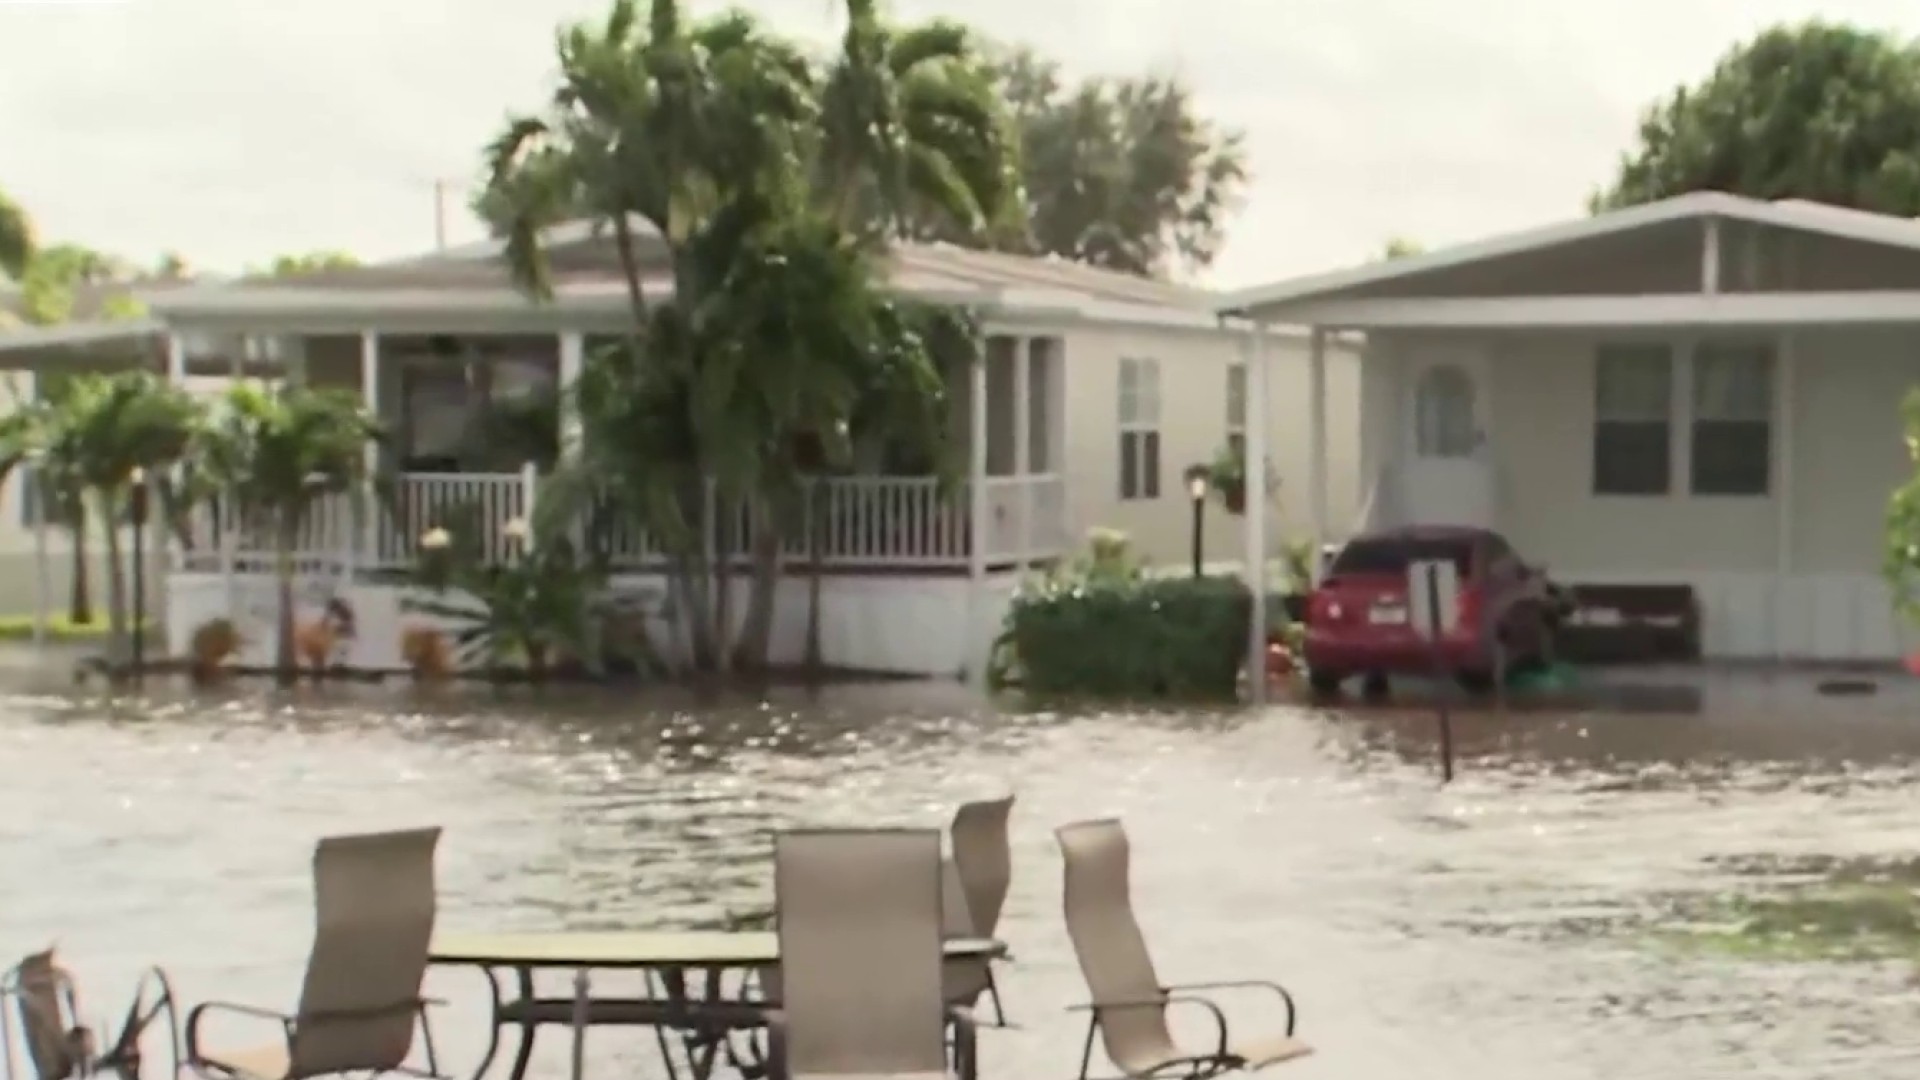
x,y
983,866
1129,1005
41,997
860,958
374,903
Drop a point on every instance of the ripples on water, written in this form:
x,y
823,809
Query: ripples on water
x,y
1486,931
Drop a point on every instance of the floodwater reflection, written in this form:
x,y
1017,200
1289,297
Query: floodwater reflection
x,y
1514,924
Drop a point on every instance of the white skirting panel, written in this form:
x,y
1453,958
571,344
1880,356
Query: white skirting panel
x,y
1757,616
895,624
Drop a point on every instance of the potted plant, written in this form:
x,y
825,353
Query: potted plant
x,y
1227,475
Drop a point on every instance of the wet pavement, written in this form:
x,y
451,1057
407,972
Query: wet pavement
x,y
1508,926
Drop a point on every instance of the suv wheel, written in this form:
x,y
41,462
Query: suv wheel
x,y
1325,683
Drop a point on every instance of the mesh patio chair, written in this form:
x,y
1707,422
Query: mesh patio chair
x,y
1128,1007
40,997
859,918
982,872
374,903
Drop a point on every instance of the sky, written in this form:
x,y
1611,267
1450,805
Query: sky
x,y
233,130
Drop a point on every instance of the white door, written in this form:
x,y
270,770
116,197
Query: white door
x,y
1446,474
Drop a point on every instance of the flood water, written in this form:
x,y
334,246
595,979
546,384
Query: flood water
x,y
1500,928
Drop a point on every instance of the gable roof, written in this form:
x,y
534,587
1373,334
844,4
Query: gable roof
x,y
1793,214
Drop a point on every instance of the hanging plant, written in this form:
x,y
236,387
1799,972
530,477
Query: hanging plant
x,y
1227,477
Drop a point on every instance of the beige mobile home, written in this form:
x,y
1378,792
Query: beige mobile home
x,y
1703,390
1099,390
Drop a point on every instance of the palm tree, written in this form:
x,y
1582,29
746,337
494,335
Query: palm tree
x,y
106,432
92,442
914,137
688,131
277,453
771,185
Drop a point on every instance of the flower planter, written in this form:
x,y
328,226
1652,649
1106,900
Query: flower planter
x,y
1234,497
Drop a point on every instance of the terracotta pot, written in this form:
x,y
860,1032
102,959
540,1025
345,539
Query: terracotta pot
x,y
1235,498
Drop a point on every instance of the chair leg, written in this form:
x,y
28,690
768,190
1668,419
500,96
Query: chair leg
x,y
426,1043
1086,1052
524,1055
993,992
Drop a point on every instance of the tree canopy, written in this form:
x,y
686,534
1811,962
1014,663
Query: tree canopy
x,y
311,262
1815,110
16,237
1400,247
1123,173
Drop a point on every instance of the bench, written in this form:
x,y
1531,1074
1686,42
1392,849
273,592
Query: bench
x,y
1630,624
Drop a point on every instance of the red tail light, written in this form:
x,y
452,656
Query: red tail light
x,y
1324,607
1467,617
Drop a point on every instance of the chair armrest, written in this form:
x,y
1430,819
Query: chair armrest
x,y
199,1012
1286,999
1168,997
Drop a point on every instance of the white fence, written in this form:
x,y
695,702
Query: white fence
x,y
871,522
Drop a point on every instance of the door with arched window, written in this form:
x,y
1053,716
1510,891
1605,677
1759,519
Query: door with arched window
x,y
1446,476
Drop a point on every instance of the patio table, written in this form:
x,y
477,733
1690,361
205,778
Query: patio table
x,y
704,1017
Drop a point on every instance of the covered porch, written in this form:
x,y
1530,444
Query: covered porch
x,y
1703,391
474,428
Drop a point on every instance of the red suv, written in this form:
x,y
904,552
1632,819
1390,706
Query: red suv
x,y
1360,623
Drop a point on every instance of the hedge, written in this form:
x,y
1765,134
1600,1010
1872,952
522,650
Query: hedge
x,y
1141,638
60,629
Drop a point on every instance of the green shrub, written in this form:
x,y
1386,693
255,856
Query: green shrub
x,y
60,629
1139,638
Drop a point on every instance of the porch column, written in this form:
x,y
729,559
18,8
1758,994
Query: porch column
x,y
1254,353
176,359
977,638
1317,445
1023,441
1783,406
171,556
1710,257
573,351
370,394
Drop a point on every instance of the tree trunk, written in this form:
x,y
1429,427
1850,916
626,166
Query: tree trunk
x,y
756,629
696,581
286,670
816,574
80,601
117,651
723,519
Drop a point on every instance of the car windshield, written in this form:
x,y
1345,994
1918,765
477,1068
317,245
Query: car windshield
x,y
1391,555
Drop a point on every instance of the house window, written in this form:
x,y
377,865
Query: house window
x,y
1139,429
1237,409
1732,419
1444,424
1633,420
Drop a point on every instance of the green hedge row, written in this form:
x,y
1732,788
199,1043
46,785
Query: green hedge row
x,y
1177,638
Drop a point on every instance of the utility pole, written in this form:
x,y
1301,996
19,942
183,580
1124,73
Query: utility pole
x,y
440,215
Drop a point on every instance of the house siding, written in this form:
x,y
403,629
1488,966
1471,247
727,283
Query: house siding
x,y
1193,427
1811,590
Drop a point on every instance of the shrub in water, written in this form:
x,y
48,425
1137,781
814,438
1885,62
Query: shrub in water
x,y
1128,636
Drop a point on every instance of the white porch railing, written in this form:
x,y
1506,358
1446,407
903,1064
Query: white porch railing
x,y
859,522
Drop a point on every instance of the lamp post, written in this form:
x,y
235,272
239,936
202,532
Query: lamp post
x,y
1197,495
138,479
36,489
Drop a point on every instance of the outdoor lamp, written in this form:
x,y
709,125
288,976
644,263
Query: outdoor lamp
x,y
1197,483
